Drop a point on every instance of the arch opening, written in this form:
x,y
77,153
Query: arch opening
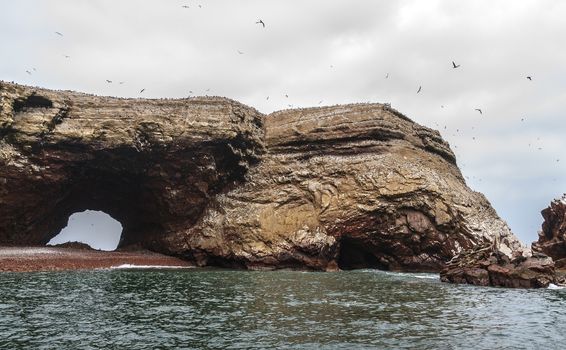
x,y
95,228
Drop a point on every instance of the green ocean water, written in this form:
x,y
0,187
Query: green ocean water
x,y
225,309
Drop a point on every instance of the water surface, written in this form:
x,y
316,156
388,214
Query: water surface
x,y
223,309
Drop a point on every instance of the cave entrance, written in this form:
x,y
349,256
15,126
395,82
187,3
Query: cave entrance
x,y
355,254
95,228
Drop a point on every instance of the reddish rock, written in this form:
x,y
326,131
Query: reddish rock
x,y
73,245
485,266
25,259
552,238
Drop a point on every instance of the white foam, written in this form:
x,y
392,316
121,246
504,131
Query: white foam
x,y
132,266
554,286
427,277
423,275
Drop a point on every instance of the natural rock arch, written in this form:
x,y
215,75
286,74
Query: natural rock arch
x,y
216,182
151,164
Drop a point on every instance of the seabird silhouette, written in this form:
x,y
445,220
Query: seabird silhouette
x,y
419,90
454,65
58,33
108,81
142,90
530,78
479,110
260,22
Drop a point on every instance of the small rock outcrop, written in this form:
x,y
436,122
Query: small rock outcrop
x,y
486,266
552,237
215,182
73,245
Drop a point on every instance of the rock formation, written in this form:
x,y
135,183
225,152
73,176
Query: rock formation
x,y
485,266
552,238
218,183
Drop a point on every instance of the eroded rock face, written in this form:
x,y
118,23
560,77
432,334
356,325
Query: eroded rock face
x,y
151,164
218,183
485,266
552,238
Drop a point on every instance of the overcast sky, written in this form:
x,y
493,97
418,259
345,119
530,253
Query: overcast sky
x,y
334,52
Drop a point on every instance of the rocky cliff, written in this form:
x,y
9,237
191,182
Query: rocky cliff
x,y
218,183
552,237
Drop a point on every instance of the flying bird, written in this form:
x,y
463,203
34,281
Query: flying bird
x,y
260,22
267,98
454,65
387,76
479,110
66,56
319,102
419,90
185,6
530,78
58,33
122,82
286,95
142,90
28,72
240,52
108,81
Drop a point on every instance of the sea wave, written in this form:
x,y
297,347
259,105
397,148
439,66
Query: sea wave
x,y
133,266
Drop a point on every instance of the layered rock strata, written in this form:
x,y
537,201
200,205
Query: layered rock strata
x,y
552,237
218,183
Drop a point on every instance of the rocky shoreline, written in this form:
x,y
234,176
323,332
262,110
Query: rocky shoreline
x,y
32,259
545,263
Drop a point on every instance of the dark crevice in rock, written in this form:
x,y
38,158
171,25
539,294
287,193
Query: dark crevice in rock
x,y
314,144
32,101
354,254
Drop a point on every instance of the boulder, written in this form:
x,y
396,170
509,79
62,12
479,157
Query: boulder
x,y
486,266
